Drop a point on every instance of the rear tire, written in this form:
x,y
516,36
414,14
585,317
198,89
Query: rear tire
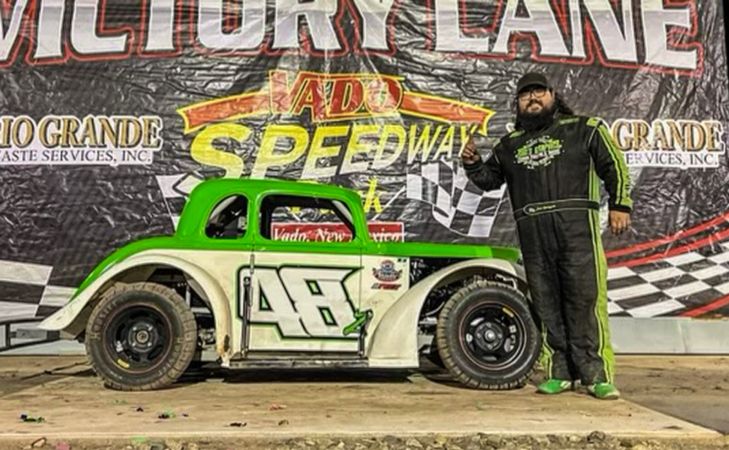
x,y
140,337
487,338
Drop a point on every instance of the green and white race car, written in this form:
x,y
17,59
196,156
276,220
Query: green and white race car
x,y
280,274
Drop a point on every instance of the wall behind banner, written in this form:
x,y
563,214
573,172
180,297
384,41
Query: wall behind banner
x,y
111,112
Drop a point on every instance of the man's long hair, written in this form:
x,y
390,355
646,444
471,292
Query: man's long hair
x,y
560,106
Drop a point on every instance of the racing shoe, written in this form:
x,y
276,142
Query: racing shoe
x,y
554,386
604,391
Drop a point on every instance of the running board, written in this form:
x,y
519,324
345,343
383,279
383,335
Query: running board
x,y
292,362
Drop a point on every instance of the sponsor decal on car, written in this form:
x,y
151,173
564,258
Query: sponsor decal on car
x,y
388,275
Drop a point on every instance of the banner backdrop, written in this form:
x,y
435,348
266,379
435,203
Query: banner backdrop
x,y
111,112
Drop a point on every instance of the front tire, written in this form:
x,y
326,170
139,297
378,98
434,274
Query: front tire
x,y
140,337
487,338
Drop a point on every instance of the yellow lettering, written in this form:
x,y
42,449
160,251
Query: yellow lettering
x,y
69,127
109,135
422,143
622,135
640,135
446,145
88,135
372,199
674,135
466,134
23,138
5,124
694,136
49,139
131,132
203,147
660,139
267,156
151,127
391,130
714,130
320,151
355,146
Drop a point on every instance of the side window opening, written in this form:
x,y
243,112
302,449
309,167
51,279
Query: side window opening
x,y
229,219
305,219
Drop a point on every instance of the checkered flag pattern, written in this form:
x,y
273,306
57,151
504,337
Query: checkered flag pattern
x,y
689,277
31,298
456,202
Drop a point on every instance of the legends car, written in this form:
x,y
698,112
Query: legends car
x,y
282,274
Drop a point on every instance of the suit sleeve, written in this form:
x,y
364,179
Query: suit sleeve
x,y
486,175
610,166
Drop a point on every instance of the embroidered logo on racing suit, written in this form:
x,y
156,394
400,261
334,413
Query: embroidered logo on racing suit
x,y
539,152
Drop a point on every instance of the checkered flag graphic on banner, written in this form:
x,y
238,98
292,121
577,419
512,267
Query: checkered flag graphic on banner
x,y
686,274
456,202
29,296
671,286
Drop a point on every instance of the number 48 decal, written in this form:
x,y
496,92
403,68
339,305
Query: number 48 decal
x,y
303,302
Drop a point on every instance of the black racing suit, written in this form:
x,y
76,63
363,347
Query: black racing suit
x,y
552,177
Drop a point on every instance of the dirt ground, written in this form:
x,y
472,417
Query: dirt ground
x,y
695,389
669,402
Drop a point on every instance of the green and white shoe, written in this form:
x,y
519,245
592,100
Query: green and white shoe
x,y
554,386
604,391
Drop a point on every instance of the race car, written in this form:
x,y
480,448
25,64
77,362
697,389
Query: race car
x,y
284,274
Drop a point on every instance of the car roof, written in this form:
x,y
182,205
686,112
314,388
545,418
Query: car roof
x,y
210,191
255,186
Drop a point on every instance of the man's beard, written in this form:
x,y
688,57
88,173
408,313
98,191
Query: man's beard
x,y
536,121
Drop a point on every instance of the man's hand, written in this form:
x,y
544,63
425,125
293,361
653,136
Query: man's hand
x,y
619,222
469,155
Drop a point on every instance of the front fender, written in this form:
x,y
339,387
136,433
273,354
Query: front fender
x,y
394,342
219,303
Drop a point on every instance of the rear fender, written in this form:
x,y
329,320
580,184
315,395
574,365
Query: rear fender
x,y
70,317
394,341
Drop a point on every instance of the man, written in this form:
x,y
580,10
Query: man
x,y
551,164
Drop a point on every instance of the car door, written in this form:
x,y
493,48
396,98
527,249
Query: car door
x,y
305,278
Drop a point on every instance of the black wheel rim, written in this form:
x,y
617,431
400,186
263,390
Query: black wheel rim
x,y
492,335
138,338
